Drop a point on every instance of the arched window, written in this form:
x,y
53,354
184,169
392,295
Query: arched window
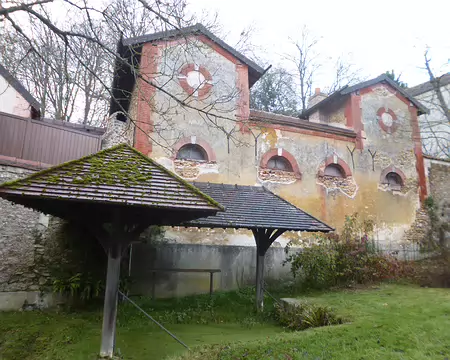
x,y
334,170
192,152
279,163
393,180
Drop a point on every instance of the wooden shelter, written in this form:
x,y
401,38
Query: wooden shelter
x,y
256,208
116,193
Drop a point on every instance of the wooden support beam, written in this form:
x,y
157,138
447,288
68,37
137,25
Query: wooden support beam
x,y
263,238
110,302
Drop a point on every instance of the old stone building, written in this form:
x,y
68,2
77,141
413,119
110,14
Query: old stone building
x,y
357,150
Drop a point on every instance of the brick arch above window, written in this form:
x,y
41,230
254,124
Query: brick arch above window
x,y
395,170
335,160
282,153
211,156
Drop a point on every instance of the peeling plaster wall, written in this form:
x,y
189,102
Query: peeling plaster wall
x,y
238,161
393,212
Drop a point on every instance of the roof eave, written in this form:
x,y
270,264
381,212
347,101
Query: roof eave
x,y
257,70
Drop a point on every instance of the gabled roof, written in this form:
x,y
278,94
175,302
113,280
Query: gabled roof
x,y
119,175
253,207
19,88
428,86
255,71
347,90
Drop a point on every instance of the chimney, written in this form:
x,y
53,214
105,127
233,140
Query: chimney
x,y
316,98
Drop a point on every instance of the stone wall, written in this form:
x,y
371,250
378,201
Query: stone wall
x,y
439,180
20,228
237,265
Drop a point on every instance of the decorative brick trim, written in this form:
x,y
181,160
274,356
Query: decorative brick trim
x,y
334,159
22,163
389,129
353,115
420,166
392,169
207,86
287,155
145,94
200,142
243,106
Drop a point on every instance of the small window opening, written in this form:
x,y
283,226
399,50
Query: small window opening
x,y
279,163
334,170
394,180
192,152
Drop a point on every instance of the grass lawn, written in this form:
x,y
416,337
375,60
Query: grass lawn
x,y
76,335
388,322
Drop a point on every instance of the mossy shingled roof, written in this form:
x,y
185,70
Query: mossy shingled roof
x,y
118,175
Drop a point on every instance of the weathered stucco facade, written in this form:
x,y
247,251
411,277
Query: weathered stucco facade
x,y
381,137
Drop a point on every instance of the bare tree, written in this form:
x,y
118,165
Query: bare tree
x,y
438,89
306,63
275,92
103,26
435,126
345,73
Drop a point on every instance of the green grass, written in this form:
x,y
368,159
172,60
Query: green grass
x,y
389,322
197,320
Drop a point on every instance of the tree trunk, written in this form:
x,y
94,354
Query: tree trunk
x,y
110,305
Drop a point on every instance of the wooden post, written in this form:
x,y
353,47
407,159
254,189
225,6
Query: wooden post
x,y
263,238
110,304
211,283
259,280
154,285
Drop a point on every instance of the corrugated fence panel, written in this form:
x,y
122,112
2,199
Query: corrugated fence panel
x,y
12,132
39,141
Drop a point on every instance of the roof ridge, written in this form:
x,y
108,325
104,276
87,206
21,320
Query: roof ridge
x,y
198,27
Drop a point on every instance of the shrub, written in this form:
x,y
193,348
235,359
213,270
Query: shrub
x,y
304,316
346,259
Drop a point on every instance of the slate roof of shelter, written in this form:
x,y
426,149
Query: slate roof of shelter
x,y
347,90
119,175
428,86
19,88
252,207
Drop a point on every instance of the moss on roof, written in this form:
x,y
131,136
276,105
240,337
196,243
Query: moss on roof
x,y
107,167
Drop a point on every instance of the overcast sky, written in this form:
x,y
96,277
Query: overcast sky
x,y
375,35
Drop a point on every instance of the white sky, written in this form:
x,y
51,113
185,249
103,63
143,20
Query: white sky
x,y
376,36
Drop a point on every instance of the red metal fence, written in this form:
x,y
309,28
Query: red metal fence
x,y
46,141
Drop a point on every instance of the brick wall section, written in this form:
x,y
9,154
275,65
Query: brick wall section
x,y
145,101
